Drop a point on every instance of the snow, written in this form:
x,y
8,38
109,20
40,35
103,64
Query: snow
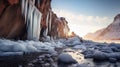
x,y
34,46
27,46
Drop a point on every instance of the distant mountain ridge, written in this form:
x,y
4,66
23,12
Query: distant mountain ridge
x,y
111,32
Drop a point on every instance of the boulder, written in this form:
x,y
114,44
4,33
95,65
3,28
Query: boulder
x,y
113,60
65,58
100,56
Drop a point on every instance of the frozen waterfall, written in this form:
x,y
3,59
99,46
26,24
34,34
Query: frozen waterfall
x,y
32,18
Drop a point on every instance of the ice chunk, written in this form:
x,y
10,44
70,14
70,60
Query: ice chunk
x,y
82,47
66,59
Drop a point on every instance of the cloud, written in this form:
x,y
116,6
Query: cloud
x,y
83,24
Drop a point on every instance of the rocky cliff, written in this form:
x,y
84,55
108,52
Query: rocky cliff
x,y
13,22
111,32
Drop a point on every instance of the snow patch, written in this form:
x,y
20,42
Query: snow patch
x,y
27,46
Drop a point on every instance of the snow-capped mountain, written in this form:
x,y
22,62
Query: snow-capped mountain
x,y
111,32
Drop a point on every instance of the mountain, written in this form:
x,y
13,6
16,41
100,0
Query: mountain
x,y
111,32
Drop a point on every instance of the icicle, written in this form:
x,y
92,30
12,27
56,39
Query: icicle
x,y
22,6
50,21
38,3
36,25
33,18
47,20
39,25
26,9
45,33
29,14
33,1
30,23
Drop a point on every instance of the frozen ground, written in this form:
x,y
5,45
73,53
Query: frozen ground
x,y
85,53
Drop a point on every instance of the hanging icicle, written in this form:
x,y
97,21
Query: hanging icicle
x,y
48,23
36,25
30,23
37,3
50,20
46,30
32,18
22,6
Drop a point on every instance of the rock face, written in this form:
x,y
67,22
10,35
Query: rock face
x,y
111,32
12,21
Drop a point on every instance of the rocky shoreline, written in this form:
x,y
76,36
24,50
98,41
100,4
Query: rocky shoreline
x,y
74,53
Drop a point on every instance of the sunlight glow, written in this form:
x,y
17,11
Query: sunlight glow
x,y
83,24
69,33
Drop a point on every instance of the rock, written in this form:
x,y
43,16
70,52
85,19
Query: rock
x,y
31,64
89,56
106,49
100,56
88,53
82,47
115,45
115,49
46,64
113,60
82,65
47,55
65,58
115,55
44,60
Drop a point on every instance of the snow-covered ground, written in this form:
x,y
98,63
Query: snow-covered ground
x,y
79,49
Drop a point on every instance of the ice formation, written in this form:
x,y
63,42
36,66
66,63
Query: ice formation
x,y
48,23
32,19
50,20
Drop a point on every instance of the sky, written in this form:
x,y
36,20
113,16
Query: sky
x,y
86,16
